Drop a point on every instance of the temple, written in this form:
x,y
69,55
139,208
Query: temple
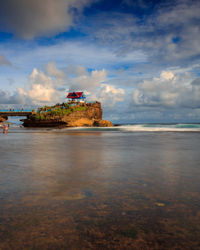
x,y
76,97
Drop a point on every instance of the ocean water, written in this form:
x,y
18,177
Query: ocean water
x,y
126,187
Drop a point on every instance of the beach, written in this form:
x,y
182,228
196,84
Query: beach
x,y
127,187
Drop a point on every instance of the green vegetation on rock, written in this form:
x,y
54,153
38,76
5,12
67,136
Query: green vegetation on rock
x,y
56,112
130,233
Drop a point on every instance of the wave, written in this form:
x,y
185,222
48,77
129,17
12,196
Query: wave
x,y
143,128
17,127
161,127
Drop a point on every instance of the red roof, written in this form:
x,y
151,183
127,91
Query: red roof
x,y
75,95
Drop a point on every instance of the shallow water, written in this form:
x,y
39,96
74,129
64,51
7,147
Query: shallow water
x,y
99,189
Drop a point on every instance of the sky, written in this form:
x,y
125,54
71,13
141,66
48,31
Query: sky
x,y
139,58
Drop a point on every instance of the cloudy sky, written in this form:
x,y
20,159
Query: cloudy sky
x,y
139,58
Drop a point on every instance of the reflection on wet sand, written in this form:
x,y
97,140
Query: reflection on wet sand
x,y
97,191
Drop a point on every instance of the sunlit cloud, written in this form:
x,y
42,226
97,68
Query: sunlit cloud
x,y
168,90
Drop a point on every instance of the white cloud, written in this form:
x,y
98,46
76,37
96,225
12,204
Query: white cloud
x,y
28,55
173,14
41,88
167,75
108,95
6,98
94,84
85,80
169,91
169,34
53,71
32,18
50,86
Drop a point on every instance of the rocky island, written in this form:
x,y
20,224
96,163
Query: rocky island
x,y
68,115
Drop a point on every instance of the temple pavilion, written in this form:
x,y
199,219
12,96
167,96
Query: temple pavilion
x,y
76,97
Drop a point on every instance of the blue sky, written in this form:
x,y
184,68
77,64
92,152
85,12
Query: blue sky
x,y
140,58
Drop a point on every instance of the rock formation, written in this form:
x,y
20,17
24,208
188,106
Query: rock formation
x,y
80,115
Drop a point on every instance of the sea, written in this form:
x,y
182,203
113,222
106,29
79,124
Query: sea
x,y
133,186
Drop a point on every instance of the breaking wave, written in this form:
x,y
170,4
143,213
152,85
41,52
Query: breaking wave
x,y
16,124
161,127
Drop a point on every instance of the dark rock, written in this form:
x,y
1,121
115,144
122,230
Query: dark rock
x,y
103,123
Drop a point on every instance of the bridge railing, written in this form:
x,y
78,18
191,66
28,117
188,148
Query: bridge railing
x,y
15,110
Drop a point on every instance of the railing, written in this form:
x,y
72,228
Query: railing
x,y
7,113
14,110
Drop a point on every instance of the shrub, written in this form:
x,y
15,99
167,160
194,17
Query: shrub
x,y
46,112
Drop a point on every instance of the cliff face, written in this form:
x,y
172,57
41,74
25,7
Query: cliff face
x,y
84,115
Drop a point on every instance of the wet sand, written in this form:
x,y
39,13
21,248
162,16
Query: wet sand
x,y
99,190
